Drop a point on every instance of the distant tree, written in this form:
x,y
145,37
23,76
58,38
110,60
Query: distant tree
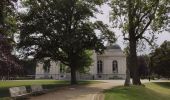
x,y
136,18
160,60
85,62
143,67
62,30
28,66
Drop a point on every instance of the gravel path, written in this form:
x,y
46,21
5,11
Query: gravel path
x,y
80,92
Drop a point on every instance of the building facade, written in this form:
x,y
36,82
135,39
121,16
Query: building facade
x,y
109,65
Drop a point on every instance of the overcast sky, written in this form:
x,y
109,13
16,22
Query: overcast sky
x,y
105,18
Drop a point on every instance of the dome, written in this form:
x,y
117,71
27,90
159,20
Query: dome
x,y
113,46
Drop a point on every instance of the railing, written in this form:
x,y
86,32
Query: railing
x,y
67,76
81,76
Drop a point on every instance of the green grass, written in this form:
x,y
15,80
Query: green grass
x,y
47,84
151,91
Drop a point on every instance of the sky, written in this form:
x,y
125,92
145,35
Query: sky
x,y
105,18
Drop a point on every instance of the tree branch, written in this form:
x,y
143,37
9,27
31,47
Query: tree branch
x,y
147,40
151,17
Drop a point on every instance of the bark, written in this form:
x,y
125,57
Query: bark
x,y
133,45
127,80
134,63
73,75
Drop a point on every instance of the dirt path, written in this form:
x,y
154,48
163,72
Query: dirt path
x,y
84,92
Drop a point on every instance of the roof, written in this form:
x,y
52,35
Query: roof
x,y
113,46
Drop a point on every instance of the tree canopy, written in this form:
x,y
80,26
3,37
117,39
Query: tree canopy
x,y
160,60
62,30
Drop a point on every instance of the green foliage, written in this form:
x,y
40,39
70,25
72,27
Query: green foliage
x,y
28,66
146,15
85,61
160,60
7,18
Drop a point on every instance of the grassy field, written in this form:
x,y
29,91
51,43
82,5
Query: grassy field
x,y
47,84
151,91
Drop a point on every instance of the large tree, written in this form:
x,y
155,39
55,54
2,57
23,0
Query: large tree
x,y
136,18
62,31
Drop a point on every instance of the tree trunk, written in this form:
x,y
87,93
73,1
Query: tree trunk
x,y
73,75
132,44
134,63
127,80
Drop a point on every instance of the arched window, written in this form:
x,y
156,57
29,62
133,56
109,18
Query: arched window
x,y
115,66
99,67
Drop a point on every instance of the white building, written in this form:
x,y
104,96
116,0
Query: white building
x,y
109,65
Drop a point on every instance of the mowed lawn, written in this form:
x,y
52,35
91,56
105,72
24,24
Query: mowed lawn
x,y
151,91
47,84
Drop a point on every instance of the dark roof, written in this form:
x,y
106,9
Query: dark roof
x,y
113,46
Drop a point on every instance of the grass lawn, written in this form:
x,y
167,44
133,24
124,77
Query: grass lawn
x,y
151,91
47,84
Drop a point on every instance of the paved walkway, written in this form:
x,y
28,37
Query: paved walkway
x,y
81,92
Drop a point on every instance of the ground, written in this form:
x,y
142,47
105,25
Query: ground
x,y
81,92
94,92
151,91
48,84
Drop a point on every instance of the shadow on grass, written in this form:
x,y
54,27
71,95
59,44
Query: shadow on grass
x,y
163,84
136,93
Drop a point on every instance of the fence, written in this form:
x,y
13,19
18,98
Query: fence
x,y
81,76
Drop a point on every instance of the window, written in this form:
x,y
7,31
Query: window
x,y
62,68
99,66
115,66
46,66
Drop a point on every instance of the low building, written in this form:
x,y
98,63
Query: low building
x,y
109,65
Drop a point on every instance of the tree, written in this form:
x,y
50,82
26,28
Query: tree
x,y
143,66
136,18
85,62
9,64
6,17
28,66
62,31
160,60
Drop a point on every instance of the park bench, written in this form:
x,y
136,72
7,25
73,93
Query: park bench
x,y
18,92
37,89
